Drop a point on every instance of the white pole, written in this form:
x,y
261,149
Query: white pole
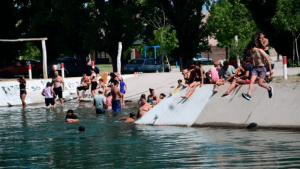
x,y
119,57
30,72
93,64
62,70
237,57
44,59
284,68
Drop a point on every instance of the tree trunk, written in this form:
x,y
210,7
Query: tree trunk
x,y
296,46
293,47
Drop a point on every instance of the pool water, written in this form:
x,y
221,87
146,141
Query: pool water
x,y
39,138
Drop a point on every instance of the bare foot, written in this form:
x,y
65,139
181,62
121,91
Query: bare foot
x,y
225,94
54,105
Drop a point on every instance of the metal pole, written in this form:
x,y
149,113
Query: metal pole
x,y
119,57
44,59
284,68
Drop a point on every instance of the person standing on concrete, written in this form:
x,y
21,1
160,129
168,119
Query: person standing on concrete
x,y
259,70
93,82
58,81
99,102
116,97
144,108
23,91
84,85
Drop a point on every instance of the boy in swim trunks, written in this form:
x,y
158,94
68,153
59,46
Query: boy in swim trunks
x,y
116,97
259,70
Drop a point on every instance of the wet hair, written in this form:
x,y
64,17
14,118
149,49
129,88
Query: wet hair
x,y
93,70
116,82
131,115
180,80
81,128
143,96
100,91
49,84
112,75
101,80
70,111
162,94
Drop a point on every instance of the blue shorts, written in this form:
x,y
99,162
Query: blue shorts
x,y
116,105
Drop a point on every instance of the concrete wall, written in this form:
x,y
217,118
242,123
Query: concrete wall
x,y
283,110
10,91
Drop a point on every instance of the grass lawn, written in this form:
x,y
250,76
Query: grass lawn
x,y
104,68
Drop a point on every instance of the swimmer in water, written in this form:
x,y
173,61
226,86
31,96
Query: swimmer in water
x,y
129,119
71,117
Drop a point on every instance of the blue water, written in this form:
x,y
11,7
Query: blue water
x,y
39,138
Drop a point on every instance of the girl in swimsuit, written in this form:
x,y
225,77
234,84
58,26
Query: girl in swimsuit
x,y
23,92
94,82
152,98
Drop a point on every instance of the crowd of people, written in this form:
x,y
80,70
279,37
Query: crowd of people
x,y
254,67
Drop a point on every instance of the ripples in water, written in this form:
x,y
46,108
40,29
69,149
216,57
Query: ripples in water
x,y
39,138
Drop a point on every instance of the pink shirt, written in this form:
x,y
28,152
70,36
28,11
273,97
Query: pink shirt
x,y
214,74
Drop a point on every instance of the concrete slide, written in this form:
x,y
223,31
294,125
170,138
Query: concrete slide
x,y
205,109
178,111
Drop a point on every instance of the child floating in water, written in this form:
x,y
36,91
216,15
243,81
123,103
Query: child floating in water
x,y
49,93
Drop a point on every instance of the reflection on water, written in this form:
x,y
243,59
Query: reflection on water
x,y
39,138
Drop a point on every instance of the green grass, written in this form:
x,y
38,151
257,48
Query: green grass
x,y
104,68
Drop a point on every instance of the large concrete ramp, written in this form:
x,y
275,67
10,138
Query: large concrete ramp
x,y
205,109
178,111
282,110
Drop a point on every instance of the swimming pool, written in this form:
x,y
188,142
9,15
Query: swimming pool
x,y
39,138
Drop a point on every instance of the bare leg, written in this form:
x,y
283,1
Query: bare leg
x,y
78,94
83,94
61,101
23,96
261,83
234,84
252,83
123,100
191,92
191,87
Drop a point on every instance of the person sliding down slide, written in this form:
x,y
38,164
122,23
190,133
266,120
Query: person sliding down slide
x,y
259,70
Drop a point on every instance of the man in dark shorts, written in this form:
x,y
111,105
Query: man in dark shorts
x,y
84,85
59,86
71,117
259,70
116,97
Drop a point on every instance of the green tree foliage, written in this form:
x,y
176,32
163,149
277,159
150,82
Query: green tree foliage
x,y
166,39
186,18
287,18
115,21
31,52
228,19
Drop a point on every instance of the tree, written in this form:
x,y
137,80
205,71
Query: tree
x,y
186,18
228,19
31,51
116,21
287,18
166,39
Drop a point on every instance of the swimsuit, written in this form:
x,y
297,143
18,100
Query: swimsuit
x,y
150,100
58,92
94,84
122,87
22,89
116,105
